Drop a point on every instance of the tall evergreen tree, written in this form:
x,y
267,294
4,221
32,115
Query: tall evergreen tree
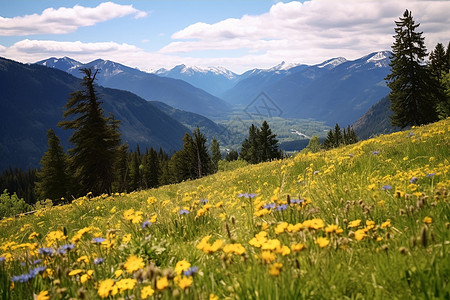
x,y
350,136
152,170
329,142
95,138
53,180
215,155
412,98
121,170
268,144
250,149
440,68
201,153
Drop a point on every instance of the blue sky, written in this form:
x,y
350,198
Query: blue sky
x,y
238,35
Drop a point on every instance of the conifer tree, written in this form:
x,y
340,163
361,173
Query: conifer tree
x,y
329,142
268,144
440,68
121,170
215,155
53,180
411,96
152,170
250,149
201,153
95,138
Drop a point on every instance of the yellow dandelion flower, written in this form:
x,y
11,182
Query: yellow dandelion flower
x,y
386,224
322,242
298,247
333,228
271,245
43,295
360,234
354,223
33,235
275,269
75,272
126,284
162,283
151,200
268,256
147,291
281,227
314,224
126,238
284,250
118,273
213,297
134,263
234,249
107,288
87,276
181,266
83,258
427,220
183,281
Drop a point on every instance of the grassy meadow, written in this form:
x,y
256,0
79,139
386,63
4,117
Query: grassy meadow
x,y
366,221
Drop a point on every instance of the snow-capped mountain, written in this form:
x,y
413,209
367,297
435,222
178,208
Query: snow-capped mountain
x,y
214,80
176,93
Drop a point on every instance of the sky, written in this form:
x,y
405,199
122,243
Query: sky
x,y
237,35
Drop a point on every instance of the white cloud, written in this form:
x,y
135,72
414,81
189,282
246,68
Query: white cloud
x,y
65,20
315,30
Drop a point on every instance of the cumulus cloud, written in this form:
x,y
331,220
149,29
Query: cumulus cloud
x,y
301,31
65,20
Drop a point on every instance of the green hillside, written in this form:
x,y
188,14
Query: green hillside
x,y
366,221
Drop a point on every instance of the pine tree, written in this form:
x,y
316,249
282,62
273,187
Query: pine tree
x,y
53,180
350,136
250,146
201,153
215,155
329,142
440,68
121,170
267,144
338,137
152,170
232,155
135,172
95,138
411,96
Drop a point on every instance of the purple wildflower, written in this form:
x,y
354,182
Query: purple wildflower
x,y
431,174
413,180
64,248
183,212
297,201
282,207
376,152
204,201
269,206
46,251
98,260
387,187
2,259
191,271
146,224
21,278
98,240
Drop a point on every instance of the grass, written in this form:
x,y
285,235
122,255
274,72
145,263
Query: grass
x,y
366,221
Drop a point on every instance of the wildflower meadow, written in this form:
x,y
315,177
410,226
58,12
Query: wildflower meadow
x,y
365,221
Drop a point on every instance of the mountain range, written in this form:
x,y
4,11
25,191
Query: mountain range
x,y
151,87
335,91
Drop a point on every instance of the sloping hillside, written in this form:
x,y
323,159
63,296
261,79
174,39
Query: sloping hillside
x,y
32,100
369,220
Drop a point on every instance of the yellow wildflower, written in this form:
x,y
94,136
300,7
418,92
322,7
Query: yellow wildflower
x,y
333,228
183,281
275,269
162,283
354,223
314,224
281,227
147,291
87,276
213,297
298,247
234,249
360,234
133,264
75,272
107,288
322,242
386,224
83,258
33,235
181,266
43,295
118,273
427,220
268,256
151,200
126,284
